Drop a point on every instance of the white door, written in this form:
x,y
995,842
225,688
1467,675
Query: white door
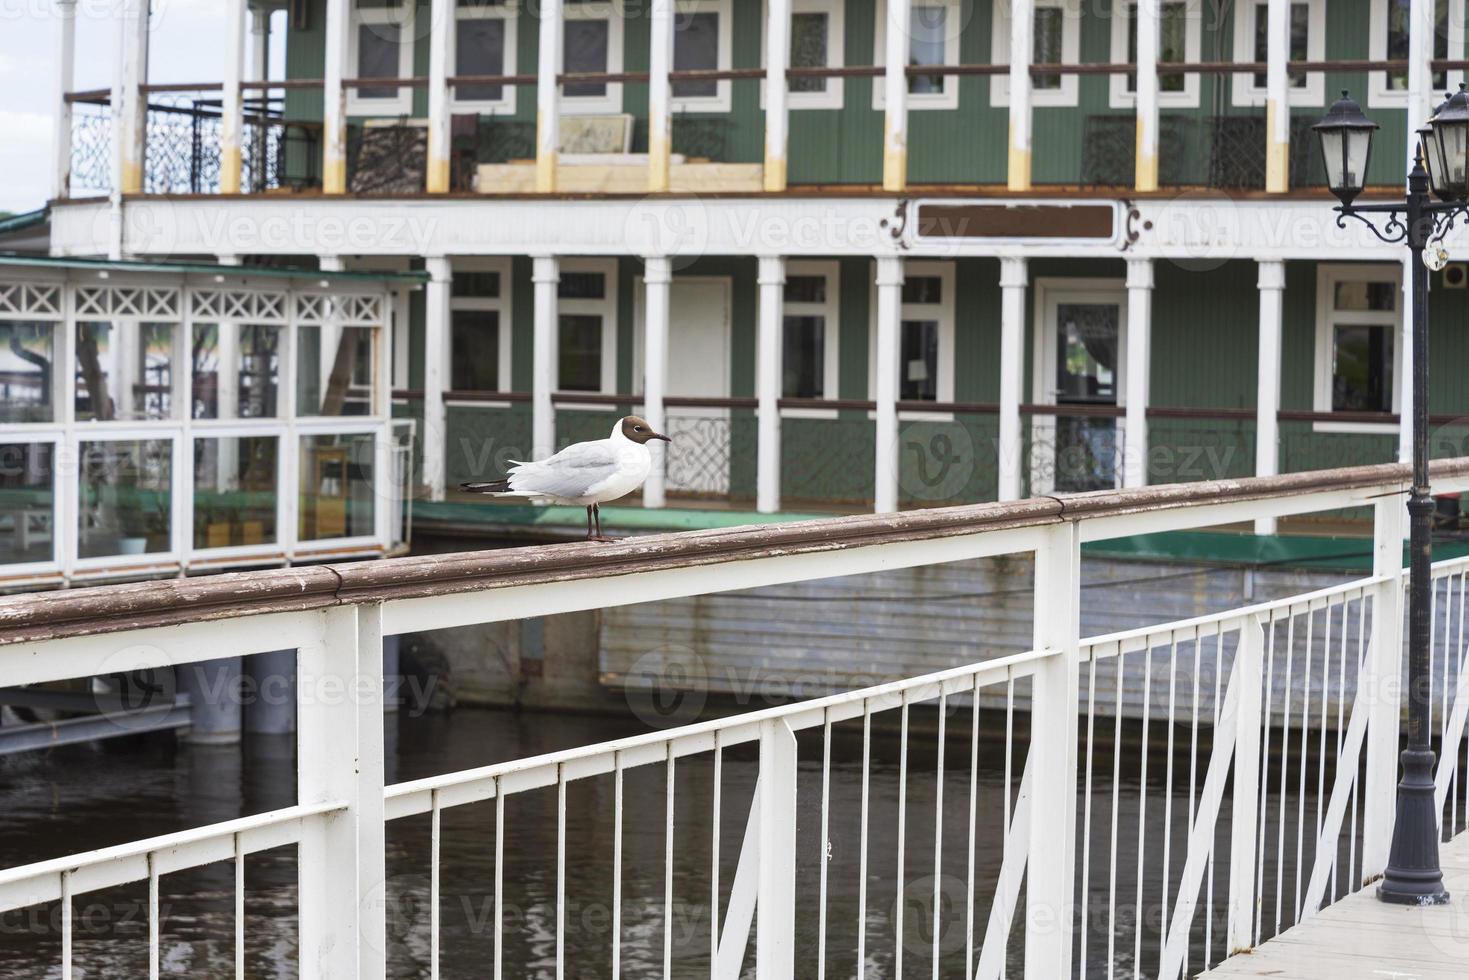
x,y
698,367
1081,344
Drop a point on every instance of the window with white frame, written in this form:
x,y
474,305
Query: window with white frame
x,y
1387,39
586,324
1055,39
1306,22
591,37
809,330
484,44
381,46
817,28
934,27
1358,320
1180,24
701,42
479,326
925,334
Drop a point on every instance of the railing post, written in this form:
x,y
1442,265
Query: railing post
x,y
1245,806
775,940
1381,677
1052,874
339,753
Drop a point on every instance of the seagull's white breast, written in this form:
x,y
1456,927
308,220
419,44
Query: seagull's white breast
x,y
633,463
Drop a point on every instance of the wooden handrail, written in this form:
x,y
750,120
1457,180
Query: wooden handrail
x,y
113,608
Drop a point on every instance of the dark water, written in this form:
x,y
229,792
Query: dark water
x,y
81,797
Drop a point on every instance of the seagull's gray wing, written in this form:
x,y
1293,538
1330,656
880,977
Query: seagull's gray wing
x,y
570,473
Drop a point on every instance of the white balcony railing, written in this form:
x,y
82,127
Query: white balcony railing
x,y
1278,703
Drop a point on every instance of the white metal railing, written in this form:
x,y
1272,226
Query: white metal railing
x,y
1295,702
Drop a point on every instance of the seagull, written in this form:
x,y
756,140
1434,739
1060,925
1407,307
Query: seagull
x,y
586,474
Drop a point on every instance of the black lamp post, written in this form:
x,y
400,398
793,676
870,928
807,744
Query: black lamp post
x,y
1413,876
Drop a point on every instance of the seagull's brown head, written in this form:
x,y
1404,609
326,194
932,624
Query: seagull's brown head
x,y
637,429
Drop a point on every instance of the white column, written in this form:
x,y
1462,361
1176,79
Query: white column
x,y
339,759
1421,29
66,32
436,333
1013,282
889,323
1277,97
548,110
1022,29
334,99
227,387
440,41
660,95
1050,878
259,72
1271,285
231,116
657,280
1145,172
1139,365
129,103
768,350
544,276
777,93
895,97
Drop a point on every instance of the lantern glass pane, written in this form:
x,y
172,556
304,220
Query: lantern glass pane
x,y
1331,154
1359,142
1431,161
1453,139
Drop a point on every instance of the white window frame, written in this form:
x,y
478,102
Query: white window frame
x,y
953,28
404,16
611,100
830,311
720,101
1327,318
1378,94
606,308
835,93
1118,95
509,12
1064,96
499,304
943,311
1243,90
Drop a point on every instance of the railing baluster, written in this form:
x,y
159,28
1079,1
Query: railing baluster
x,y
1086,820
500,882
435,827
1193,765
1116,808
1258,900
1290,646
239,909
973,802
1341,687
153,923
1247,808
862,843
716,806
1304,759
616,865
902,838
66,914
1168,797
1142,811
668,797
938,835
825,856
775,940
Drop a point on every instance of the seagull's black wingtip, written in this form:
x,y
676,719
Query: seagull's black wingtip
x,y
494,486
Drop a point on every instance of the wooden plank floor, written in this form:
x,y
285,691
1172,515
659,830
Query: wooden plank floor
x,y
1360,937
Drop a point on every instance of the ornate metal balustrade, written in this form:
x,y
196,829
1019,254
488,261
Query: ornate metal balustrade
x,y
1225,152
